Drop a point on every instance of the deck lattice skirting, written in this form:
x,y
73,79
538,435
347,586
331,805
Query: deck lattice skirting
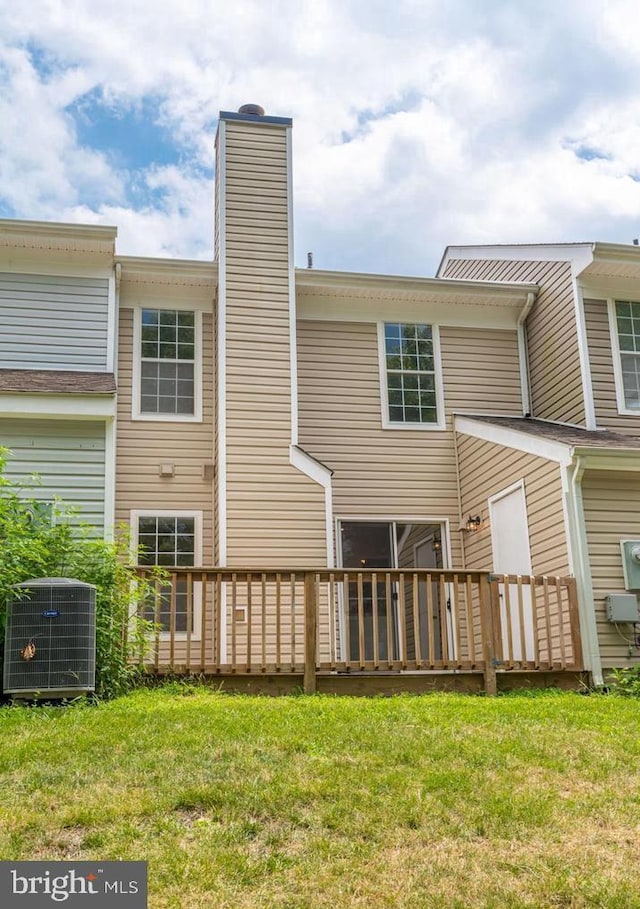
x,y
317,624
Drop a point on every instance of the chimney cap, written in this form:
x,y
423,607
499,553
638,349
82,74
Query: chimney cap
x,y
253,109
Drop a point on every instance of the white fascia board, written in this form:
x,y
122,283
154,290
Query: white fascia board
x,y
389,286
143,269
464,315
58,229
579,254
52,407
51,262
623,459
322,475
548,449
616,252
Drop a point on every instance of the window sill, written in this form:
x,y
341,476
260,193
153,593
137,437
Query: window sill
x,y
166,418
414,427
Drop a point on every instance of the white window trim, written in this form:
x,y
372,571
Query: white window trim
x,y
617,362
136,413
384,397
197,558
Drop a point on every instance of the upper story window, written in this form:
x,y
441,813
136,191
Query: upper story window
x,y
166,372
167,361
410,380
628,331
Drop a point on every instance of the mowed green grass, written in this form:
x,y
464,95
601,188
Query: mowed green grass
x,y
437,801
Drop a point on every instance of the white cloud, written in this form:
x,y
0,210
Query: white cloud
x,y
415,125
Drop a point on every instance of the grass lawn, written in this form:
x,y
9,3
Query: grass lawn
x,y
437,801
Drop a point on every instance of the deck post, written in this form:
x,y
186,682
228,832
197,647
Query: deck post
x,y
487,629
310,631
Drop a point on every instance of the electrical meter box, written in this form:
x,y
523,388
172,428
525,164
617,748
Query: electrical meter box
x,y
622,607
631,563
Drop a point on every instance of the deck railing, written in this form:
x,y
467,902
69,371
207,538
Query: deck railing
x,y
217,621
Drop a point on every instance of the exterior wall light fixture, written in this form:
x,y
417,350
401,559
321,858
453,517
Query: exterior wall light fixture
x,y
473,524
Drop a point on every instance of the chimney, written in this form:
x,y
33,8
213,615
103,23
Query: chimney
x,y
259,521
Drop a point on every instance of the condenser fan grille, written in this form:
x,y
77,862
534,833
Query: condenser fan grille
x,y
50,638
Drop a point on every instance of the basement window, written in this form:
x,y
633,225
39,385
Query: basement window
x,y
172,540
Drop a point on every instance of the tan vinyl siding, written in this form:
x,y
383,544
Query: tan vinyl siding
x,y
554,361
275,514
612,513
143,445
486,469
602,374
394,473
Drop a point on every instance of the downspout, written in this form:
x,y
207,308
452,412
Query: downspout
x,y
586,610
523,355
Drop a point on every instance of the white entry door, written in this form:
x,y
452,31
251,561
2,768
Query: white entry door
x,y
512,555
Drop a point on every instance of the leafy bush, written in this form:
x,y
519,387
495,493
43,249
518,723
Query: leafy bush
x,y
40,540
625,682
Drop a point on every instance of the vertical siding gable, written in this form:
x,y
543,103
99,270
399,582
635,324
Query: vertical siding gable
x,y
53,322
486,469
554,359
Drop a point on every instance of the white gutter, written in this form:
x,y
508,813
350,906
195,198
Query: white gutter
x,y
582,569
523,357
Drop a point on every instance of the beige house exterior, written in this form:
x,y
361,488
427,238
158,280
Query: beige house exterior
x,y
263,418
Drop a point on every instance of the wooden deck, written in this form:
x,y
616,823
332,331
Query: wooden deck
x,y
324,629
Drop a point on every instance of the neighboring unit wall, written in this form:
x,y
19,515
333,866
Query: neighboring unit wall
x,y
53,322
68,457
275,514
612,513
486,469
554,361
602,374
395,473
143,445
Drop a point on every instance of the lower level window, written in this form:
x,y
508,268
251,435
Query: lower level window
x,y
170,541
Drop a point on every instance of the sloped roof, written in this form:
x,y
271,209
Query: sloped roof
x,y
573,436
56,381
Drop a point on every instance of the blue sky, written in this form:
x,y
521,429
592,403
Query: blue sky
x,y
416,125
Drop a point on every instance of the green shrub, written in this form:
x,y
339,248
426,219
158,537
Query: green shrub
x,y
42,540
625,682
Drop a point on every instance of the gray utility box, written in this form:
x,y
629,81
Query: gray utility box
x,y
630,550
622,607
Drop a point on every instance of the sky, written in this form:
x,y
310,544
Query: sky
x,y
416,124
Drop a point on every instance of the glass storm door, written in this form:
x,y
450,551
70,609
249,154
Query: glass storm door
x,y
370,546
